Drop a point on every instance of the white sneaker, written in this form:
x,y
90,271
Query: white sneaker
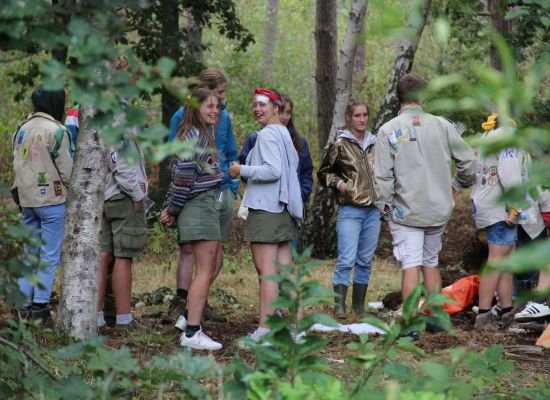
x,y
199,341
494,309
299,337
254,336
533,312
181,323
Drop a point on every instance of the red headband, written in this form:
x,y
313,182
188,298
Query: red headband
x,y
274,97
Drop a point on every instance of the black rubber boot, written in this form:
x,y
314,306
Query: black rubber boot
x,y
340,292
43,316
358,299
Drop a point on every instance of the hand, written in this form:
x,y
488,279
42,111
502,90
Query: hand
x,y
234,169
166,219
138,205
342,187
511,220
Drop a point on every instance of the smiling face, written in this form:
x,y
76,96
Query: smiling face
x,y
265,111
210,110
286,114
358,119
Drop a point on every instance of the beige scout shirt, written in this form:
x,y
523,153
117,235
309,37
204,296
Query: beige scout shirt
x,y
413,158
40,176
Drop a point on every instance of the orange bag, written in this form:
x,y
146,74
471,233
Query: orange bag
x,y
462,292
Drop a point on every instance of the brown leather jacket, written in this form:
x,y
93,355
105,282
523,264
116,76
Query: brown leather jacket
x,y
350,161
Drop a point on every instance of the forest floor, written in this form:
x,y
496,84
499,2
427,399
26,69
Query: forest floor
x,y
234,295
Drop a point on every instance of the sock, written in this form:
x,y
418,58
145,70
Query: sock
x,y
181,293
483,311
100,319
124,319
501,311
190,330
39,306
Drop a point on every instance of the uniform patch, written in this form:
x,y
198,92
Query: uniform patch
x,y
485,169
398,212
392,140
509,153
493,171
416,120
493,180
24,152
57,188
43,191
114,157
42,179
20,137
483,181
142,186
39,138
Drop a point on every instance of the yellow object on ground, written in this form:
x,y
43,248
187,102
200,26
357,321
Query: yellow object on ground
x,y
544,339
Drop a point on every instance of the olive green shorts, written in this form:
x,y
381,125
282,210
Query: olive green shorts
x,y
123,231
267,227
200,218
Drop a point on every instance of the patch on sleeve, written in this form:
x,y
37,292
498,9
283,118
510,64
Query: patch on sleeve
x,y
42,179
20,137
416,120
57,188
509,153
24,152
392,139
39,138
114,157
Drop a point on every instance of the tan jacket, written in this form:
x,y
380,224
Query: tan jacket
x,y
413,160
350,161
41,176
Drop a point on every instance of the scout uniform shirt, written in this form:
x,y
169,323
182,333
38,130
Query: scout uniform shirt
x,y
42,161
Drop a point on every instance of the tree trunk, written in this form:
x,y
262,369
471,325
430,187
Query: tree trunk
x,y
171,47
192,48
497,10
403,65
320,225
270,37
325,70
80,253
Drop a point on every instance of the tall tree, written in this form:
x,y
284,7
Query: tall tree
x,y
403,63
497,10
80,253
320,230
325,70
270,39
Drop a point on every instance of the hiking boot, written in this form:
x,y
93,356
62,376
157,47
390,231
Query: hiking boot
x,y
414,335
506,319
340,292
199,341
358,299
43,316
181,323
210,315
22,314
487,322
533,312
176,308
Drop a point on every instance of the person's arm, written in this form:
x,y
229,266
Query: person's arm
x,y
126,177
384,176
269,151
306,172
465,161
231,153
175,122
183,178
326,174
64,159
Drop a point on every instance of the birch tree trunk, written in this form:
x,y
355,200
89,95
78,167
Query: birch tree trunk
x,y
270,38
80,252
325,71
502,26
403,65
320,225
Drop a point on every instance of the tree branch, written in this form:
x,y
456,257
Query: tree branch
x,y
28,355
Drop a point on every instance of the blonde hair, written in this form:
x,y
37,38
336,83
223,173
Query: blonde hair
x,y
192,118
212,78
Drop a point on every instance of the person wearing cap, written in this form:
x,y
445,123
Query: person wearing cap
x,y
413,158
347,168
272,196
42,164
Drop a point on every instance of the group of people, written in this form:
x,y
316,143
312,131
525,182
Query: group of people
x,y
403,175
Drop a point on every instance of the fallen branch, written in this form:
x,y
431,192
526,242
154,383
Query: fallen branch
x,y
28,355
524,349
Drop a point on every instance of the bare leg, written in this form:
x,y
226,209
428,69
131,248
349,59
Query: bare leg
x,y
432,279
409,280
205,257
284,257
265,255
122,285
186,260
219,263
490,282
104,261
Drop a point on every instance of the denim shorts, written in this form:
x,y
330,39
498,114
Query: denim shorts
x,y
502,234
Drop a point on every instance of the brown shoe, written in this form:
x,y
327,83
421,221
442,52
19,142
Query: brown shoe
x,y
210,315
176,308
487,322
507,319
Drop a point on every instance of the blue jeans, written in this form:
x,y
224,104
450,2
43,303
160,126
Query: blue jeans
x,y
358,229
48,222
